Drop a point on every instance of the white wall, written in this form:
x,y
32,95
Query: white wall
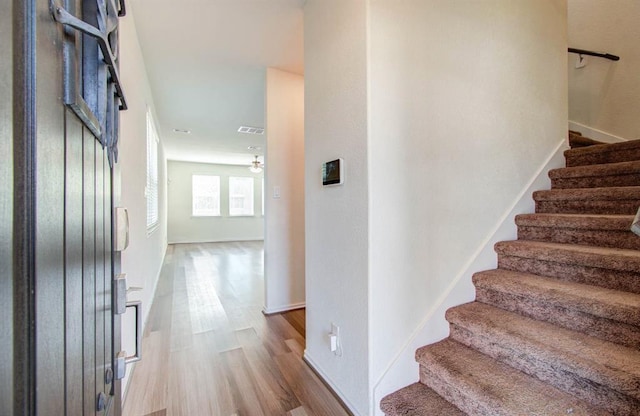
x,y
284,249
605,95
185,228
142,260
445,112
337,218
460,123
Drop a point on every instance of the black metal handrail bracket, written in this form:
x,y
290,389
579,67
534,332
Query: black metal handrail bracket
x,y
592,53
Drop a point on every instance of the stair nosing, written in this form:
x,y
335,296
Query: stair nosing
x,y
595,170
576,221
603,148
611,193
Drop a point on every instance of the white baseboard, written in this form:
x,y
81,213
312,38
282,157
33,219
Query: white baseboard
x,y
318,370
229,240
595,134
283,308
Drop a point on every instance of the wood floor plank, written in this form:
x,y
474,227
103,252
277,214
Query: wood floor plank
x,y
273,389
296,319
151,379
295,346
307,387
209,350
162,412
243,383
212,378
298,412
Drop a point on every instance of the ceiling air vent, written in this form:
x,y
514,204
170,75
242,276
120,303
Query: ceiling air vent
x,y
251,130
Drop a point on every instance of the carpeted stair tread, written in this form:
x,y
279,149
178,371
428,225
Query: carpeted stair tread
x,y
480,385
604,153
592,176
605,303
601,257
417,399
607,314
606,374
585,229
609,200
577,140
611,268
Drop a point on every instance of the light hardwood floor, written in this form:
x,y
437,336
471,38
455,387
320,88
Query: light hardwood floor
x,y
209,350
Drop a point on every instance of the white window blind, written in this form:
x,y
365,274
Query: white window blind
x,y
205,195
151,190
240,196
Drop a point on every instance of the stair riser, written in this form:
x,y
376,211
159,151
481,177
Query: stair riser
x,y
433,376
596,181
610,279
595,326
577,159
611,207
531,362
602,238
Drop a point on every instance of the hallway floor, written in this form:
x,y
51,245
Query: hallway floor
x,y
209,350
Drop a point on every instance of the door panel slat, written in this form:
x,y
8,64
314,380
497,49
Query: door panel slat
x,y
73,259
89,274
6,212
100,269
49,259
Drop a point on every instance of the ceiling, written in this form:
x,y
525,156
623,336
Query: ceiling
x,y
206,61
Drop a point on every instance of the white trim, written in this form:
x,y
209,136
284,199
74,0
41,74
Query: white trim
x,y
283,308
311,363
125,387
595,134
227,240
403,370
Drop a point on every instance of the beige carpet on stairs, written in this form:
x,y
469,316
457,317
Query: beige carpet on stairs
x,y
555,330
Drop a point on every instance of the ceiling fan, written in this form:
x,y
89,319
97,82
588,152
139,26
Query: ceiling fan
x,y
256,166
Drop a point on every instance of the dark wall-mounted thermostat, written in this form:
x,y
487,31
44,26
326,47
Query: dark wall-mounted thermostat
x,y
333,172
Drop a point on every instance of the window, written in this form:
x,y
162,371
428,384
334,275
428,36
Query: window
x,y
205,195
240,196
151,190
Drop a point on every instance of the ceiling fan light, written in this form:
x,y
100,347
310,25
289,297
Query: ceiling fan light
x,y
255,166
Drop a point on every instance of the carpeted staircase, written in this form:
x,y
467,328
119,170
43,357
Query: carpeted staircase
x,y
555,330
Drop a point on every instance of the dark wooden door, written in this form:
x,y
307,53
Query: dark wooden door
x,y
58,138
